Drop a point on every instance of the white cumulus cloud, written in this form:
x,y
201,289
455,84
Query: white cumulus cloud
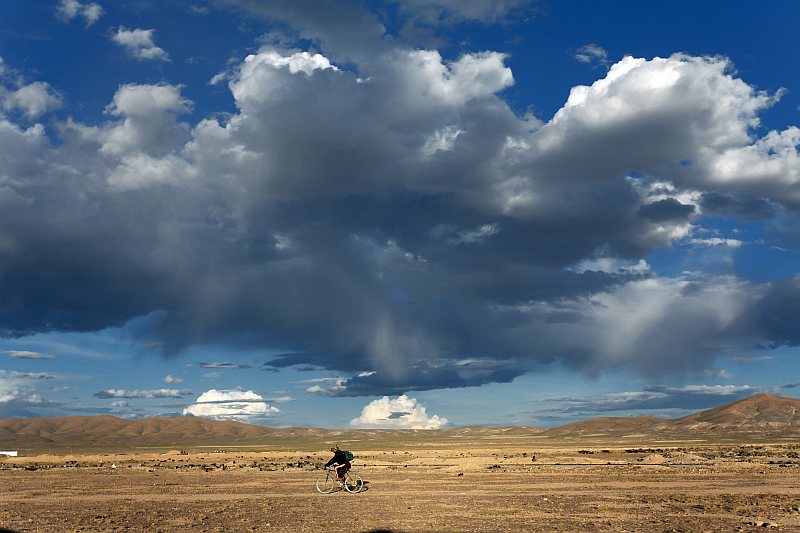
x,y
19,387
230,405
140,44
148,123
69,9
399,413
267,75
33,99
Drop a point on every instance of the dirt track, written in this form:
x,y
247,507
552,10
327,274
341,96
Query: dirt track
x,y
706,488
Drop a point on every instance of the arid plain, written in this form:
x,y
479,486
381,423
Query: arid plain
x,y
730,469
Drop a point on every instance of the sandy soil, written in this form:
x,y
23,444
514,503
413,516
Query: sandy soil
x,y
511,486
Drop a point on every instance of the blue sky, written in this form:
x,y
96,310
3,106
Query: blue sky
x,y
397,214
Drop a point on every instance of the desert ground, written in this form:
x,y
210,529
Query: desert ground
x,y
500,482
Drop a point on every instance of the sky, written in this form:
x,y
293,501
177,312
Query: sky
x,y
402,214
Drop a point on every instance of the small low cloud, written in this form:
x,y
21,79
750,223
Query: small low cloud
x,y
399,413
613,265
140,44
714,242
17,388
230,405
744,359
591,53
24,354
34,376
155,393
169,378
326,386
719,373
224,365
67,10
457,236
281,399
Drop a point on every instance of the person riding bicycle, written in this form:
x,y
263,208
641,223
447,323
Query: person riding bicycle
x,y
339,459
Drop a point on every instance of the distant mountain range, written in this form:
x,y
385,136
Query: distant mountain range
x,y
760,415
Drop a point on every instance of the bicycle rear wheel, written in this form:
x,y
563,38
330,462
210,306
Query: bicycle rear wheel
x,y
353,483
326,483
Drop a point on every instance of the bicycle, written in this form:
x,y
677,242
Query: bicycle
x,y
329,481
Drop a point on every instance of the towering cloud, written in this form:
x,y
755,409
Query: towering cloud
x,y
381,211
400,413
230,405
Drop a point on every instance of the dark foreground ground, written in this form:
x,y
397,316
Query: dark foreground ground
x,y
516,486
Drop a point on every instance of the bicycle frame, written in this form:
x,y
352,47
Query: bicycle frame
x,y
330,482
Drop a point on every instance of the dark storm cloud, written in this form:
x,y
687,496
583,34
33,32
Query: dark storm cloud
x,y
347,29
455,11
378,210
309,362
425,375
747,208
778,312
666,210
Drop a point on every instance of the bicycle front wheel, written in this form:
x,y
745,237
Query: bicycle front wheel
x,y
326,483
353,483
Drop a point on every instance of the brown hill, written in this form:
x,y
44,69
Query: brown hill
x,y
617,426
110,430
762,414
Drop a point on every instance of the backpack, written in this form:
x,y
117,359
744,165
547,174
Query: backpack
x,y
348,455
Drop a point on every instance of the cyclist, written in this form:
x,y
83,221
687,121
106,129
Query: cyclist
x,y
339,459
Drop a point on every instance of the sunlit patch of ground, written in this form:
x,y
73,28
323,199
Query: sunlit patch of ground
x,y
517,485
